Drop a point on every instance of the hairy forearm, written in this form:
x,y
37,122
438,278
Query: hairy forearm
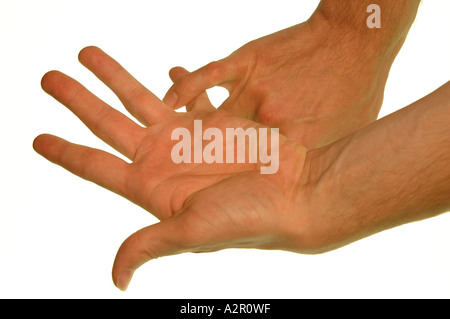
x,y
394,171
396,16
350,19
405,159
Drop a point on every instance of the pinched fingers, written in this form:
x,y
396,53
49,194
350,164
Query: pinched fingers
x,y
184,90
201,101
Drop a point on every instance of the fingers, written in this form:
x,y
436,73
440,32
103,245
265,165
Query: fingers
x,y
162,239
137,99
108,124
91,164
177,73
201,101
190,86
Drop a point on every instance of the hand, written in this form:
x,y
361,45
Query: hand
x,y
202,207
314,82
317,201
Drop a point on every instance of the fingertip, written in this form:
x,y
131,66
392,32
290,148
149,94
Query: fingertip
x,y
36,143
48,79
126,262
177,72
86,52
39,142
49,146
171,99
122,281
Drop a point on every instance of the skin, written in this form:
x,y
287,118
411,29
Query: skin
x,y
191,200
325,76
318,200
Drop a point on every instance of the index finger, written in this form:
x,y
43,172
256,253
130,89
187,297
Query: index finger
x,y
188,87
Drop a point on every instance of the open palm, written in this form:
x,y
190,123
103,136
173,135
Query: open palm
x,y
202,207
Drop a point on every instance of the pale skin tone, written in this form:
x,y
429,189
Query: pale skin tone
x,y
319,200
312,204
192,200
326,75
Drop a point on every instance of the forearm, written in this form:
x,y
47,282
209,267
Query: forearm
x,y
350,19
394,171
396,17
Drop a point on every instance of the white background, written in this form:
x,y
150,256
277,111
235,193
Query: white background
x,y
59,234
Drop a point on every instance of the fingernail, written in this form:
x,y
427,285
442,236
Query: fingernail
x,y
171,99
123,280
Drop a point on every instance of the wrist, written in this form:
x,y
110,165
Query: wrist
x,y
313,227
391,172
347,22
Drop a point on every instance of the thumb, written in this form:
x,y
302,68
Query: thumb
x,y
191,85
162,239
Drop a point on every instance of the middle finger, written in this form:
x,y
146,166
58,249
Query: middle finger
x,y
136,98
105,122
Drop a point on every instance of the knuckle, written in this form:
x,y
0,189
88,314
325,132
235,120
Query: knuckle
x,y
77,163
186,86
84,160
138,96
138,246
101,117
269,117
76,92
215,70
254,89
